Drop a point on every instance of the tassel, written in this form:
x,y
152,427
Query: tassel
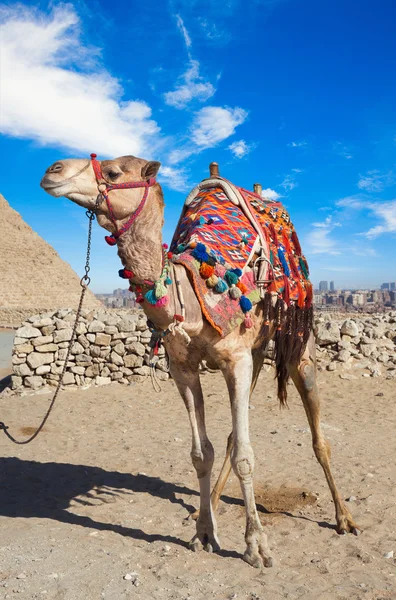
x,y
231,278
150,297
160,290
206,270
286,242
168,280
180,248
286,290
271,257
200,253
235,292
303,266
309,294
212,281
245,304
242,287
296,243
301,295
125,274
140,299
273,234
201,221
110,240
162,302
169,255
220,286
283,260
293,267
248,321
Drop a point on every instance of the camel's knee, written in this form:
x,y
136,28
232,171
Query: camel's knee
x,y
322,450
242,460
307,372
203,459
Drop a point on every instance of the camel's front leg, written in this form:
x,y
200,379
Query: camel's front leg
x,y
304,377
202,454
238,375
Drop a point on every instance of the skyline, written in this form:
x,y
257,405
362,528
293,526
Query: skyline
x,y
297,101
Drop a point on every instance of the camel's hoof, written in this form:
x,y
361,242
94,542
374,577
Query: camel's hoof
x,y
257,561
348,526
195,545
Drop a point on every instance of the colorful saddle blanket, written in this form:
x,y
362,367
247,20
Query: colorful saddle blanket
x,y
215,241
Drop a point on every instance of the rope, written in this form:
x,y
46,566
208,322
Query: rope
x,y
84,282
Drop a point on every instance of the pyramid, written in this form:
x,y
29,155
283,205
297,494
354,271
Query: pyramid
x,y
33,277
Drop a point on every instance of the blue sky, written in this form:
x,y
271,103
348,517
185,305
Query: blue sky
x,y
299,95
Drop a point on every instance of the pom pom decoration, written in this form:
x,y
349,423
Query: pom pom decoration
x,y
235,292
200,253
220,270
110,240
220,286
168,281
206,271
248,321
231,278
242,287
162,302
125,274
180,248
211,260
160,290
212,281
245,304
238,272
150,297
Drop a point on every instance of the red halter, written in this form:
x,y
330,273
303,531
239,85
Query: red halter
x,y
105,187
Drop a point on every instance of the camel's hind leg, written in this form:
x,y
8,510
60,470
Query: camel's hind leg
x,y
304,377
258,359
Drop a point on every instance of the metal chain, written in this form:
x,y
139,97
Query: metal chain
x,y
84,282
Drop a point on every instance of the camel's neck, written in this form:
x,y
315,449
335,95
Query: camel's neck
x,y
140,248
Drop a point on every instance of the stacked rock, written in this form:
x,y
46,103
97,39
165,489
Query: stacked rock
x,y
109,346
365,343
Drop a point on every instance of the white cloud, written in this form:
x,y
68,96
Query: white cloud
x,y
240,148
297,144
213,124
183,31
384,211
342,150
270,194
319,240
375,181
289,183
45,99
387,212
212,31
191,86
174,178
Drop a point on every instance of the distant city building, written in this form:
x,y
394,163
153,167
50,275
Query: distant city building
x,y
323,286
331,286
385,286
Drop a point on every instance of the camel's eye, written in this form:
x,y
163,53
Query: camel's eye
x,y
114,175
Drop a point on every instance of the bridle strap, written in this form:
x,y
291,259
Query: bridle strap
x,y
104,188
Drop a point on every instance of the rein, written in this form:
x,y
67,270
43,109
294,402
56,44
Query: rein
x,y
104,188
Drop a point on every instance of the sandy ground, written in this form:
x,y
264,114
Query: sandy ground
x,y
106,489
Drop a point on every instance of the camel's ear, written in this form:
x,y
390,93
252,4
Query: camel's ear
x,y
150,169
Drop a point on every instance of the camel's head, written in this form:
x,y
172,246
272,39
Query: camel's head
x,y
75,179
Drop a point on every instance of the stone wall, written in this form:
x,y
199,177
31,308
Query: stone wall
x,y
113,346
109,346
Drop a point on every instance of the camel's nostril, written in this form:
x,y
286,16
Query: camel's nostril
x,y
55,168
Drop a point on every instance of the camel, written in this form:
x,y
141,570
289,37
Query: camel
x,y
135,217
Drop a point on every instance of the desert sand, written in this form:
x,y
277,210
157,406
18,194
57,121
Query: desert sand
x,y
106,490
